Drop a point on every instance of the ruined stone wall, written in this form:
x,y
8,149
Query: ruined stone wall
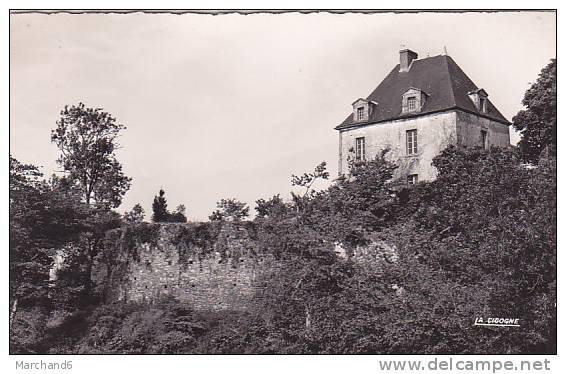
x,y
209,265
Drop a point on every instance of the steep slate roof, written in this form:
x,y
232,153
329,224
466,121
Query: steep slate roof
x,y
446,85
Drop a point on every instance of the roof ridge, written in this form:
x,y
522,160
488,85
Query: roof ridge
x,y
440,76
427,57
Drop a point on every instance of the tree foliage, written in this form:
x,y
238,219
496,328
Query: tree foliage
x,y
486,227
230,210
273,207
307,181
159,206
162,214
478,241
537,123
136,215
29,259
66,217
87,139
43,219
179,215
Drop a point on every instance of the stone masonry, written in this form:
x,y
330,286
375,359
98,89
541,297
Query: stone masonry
x,y
218,274
210,266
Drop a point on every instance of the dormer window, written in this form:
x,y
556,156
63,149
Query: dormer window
x,y
412,103
363,109
361,114
483,106
413,100
479,97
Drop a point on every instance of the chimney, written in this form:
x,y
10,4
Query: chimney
x,y
406,56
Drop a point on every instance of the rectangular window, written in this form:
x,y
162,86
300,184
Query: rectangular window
x,y
412,179
412,103
361,114
411,142
484,139
360,149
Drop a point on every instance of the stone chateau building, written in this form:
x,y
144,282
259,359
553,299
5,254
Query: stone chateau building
x,y
421,107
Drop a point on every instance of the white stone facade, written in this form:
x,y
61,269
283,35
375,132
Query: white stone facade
x,y
434,132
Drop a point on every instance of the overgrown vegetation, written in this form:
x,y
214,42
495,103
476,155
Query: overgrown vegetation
x,y
128,238
162,214
537,123
196,240
230,210
479,241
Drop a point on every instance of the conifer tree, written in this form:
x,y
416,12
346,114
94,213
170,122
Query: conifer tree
x,y
160,213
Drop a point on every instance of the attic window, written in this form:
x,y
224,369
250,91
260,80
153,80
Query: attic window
x,y
412,103
479,97
413,100
483,106
362,109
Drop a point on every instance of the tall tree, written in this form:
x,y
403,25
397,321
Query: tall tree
x,y
537,124
87,139
159,206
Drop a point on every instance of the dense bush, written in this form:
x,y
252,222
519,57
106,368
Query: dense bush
x,y
166,327
132,328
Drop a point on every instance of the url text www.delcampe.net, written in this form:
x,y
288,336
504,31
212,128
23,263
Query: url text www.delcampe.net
x,y
451,364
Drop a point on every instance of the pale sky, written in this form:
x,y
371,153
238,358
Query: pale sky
x,y
232,105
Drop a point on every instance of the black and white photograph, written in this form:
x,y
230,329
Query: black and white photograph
x,y
284,182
